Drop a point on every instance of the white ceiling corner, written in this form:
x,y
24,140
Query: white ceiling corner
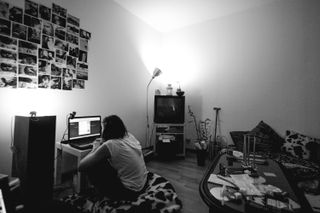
x,y
168,15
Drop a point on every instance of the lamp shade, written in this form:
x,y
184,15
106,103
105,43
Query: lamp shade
x,y
156,72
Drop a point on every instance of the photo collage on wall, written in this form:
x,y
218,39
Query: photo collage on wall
x,y
42,47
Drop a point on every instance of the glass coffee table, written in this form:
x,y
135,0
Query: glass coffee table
x,y
268,172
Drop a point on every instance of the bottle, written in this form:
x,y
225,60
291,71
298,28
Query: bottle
x,y
169,89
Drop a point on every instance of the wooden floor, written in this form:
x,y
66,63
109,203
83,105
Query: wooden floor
x,y
185,175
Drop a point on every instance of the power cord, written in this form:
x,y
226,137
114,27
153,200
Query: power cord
x,y
63,141
14,149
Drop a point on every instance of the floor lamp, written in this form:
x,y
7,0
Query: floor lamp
x,y
155,74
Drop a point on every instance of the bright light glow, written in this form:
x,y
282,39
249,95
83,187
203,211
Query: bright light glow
x,y
181,64
151,55
22,101
177,62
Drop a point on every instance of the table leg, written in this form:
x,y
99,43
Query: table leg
x,y
57,166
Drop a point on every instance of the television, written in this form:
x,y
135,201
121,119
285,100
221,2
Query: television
x,y
84,127
169,109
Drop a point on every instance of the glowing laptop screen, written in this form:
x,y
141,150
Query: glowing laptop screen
x,y
84,127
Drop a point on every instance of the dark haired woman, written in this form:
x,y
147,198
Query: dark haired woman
x,y
116,167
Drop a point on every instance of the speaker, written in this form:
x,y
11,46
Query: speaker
x,y
33,157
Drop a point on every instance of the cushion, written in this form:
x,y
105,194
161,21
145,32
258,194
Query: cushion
x,y
268,139
237,138
159,196
300,145
298,168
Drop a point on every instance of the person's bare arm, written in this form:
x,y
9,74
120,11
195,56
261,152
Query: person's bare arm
x,y
96,155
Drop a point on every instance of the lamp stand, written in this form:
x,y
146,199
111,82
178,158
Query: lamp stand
x,y
148,151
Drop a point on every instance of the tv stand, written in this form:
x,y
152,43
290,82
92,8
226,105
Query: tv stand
x,y
169,140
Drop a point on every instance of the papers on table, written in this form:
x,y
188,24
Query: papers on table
x,y
2,207
213,178
245,183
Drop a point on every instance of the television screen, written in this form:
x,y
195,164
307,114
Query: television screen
x,y
84,127
169,109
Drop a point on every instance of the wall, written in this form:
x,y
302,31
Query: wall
x,y
117,75
259,64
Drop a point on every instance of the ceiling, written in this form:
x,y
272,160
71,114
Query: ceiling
x,y
168,15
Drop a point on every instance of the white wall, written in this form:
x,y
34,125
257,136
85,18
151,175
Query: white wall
x,y
259,64
117,75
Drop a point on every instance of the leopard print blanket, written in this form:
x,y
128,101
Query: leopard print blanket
x,y
159,197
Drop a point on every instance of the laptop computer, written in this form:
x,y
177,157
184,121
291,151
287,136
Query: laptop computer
x,y
82,131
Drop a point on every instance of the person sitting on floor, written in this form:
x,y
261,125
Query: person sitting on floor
x,y
116,165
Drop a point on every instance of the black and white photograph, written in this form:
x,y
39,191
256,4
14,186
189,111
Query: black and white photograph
x,y
8,56
8,43
31,8
37,40
55,82
74,50
67,80
56,69
5,27
60,32
15,14
4,9
8,81
82,71
67,73
71,72
58,20
67,83
27,70
85,34
83,56
71,62
45,12
27,82
73,29
28,48
32,22
73,20
44,67
8,68
44,81
19,31
34,35
61,56
61,45
78,84
57,9
48,42
47,28
72,39
84,44
46,54
27,59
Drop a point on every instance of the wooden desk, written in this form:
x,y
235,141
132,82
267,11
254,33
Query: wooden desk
x,y
78,154
282,180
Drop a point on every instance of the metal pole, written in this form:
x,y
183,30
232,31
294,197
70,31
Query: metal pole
x,y
147,114
213,151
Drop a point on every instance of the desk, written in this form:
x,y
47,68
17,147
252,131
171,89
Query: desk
x,y
282,180
79,154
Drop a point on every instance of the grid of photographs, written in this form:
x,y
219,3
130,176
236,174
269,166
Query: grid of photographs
x,y
42,47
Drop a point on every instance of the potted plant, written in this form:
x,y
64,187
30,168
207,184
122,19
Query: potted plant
x,y
203,137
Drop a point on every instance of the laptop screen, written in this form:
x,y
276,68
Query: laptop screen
x,y
84,127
